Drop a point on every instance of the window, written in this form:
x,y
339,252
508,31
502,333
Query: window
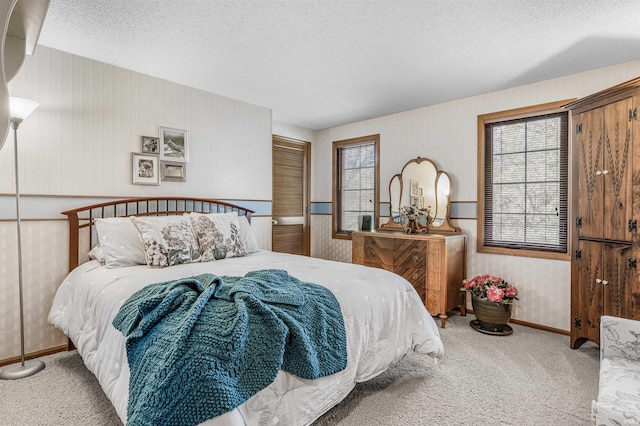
x,y
522,188
355,183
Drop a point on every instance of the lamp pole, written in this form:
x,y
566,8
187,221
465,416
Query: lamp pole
x,y
31,367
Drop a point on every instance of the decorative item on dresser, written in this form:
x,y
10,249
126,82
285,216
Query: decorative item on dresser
x,y
606,203
433,263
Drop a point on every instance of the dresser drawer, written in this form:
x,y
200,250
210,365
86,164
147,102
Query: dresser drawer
x,y
379,252
409,262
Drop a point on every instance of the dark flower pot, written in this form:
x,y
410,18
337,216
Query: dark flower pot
x,y
493,317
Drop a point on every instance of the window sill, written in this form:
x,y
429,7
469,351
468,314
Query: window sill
x,y
525,253
341,236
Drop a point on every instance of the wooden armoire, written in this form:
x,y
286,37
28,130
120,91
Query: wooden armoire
x,y
605,203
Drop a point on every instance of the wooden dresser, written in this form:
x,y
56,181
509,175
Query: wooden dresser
x,y
433,263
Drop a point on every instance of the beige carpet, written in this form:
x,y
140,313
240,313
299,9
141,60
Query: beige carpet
x,y
529,378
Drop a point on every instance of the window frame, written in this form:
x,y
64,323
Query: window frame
x,y
515,114
336,211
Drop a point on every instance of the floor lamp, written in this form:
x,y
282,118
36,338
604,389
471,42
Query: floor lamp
x,y
20,109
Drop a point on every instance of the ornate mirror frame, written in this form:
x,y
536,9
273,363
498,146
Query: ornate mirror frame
x,y
420,182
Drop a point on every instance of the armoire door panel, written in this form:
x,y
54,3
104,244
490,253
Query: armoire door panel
x,y
587,293
617,170
588,141
620,278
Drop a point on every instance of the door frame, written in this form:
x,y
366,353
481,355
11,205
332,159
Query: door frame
x,y
306,149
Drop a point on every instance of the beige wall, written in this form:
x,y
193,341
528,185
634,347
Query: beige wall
x,y
78,144
91,116
447,133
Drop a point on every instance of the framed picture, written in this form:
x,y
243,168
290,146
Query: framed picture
x,y
150,145
415,186
173,171
145,169
174,145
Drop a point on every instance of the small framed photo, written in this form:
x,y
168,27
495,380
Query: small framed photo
x,y
145,169
173,171
415,186
150,145
174,145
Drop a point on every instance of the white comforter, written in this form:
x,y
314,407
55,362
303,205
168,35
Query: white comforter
x,y
384,320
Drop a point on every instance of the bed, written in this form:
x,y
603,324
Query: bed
x,y
384,318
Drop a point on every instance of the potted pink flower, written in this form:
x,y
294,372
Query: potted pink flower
x,y
491,298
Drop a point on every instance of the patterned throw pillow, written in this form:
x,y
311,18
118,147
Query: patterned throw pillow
x,y
218,235
167,240
246,235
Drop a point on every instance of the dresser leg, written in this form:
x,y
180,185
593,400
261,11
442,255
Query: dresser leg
x,y
463,309
443,319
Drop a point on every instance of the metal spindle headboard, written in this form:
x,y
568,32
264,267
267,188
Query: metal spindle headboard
x,y
83,217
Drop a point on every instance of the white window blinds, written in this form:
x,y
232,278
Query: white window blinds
x,y
525,205
356,186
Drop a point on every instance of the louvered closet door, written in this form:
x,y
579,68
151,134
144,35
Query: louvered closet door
x,y
290,233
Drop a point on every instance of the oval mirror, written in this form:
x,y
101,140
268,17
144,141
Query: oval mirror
x,y
395,188
443,188
418,185
422,186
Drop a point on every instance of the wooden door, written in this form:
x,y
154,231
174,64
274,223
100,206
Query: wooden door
x,y
588,140
619,279
617,170
291,187
587,293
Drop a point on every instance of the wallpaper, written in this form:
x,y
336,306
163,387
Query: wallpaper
x,y
76,149
78,145
447,134
45,264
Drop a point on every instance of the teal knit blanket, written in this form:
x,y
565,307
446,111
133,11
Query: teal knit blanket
x,y
200,346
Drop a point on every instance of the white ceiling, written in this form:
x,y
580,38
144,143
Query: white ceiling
x,y
318,64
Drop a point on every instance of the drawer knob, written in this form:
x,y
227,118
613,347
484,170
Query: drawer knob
x,y
372,253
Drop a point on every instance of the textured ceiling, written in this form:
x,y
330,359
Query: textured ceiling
x,y
318,64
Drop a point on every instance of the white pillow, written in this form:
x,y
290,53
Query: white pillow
x,y
120,243
167,240
96,254
247,236
218,235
